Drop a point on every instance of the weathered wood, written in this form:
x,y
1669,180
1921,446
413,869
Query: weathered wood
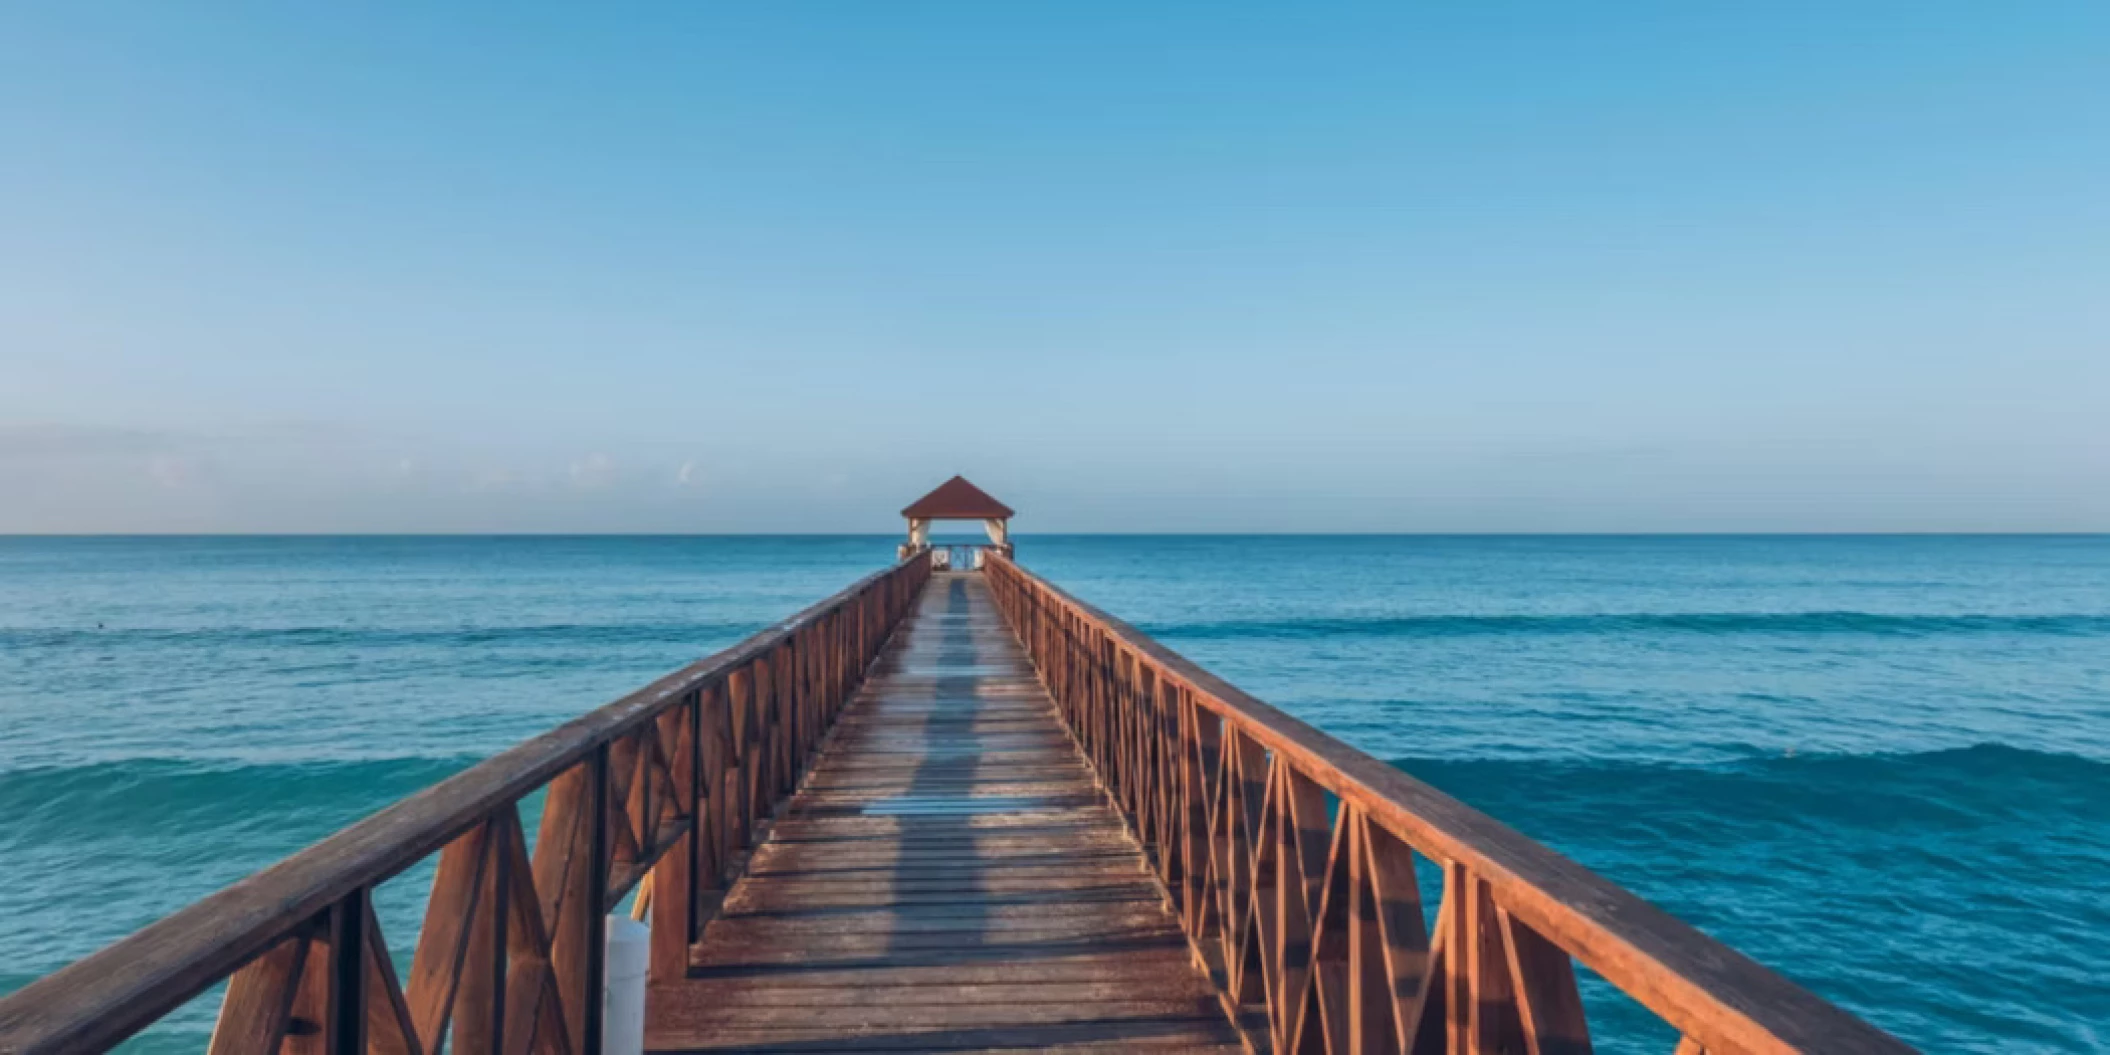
x,y
594,969
672,917
443,943
1403,957
390,1029
949,876
348,928
259,1001
1549,1005
560,869
1492,1011
1318,1010
534,1011
479,1001
309,1029
1370,1014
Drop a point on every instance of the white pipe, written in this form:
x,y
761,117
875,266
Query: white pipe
x,y
623,1014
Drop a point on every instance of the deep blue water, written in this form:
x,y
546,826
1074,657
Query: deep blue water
x,y
1880,765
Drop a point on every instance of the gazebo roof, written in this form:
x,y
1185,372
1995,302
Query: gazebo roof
x,y
956,499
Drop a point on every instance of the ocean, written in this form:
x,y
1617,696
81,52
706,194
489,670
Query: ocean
x,y
1880,765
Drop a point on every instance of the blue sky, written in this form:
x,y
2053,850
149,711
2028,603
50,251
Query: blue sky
x,y
1387,267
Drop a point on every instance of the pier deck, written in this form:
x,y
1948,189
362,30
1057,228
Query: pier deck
x,y
949,878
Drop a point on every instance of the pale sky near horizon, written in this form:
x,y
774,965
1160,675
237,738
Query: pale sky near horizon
x,y
1131,267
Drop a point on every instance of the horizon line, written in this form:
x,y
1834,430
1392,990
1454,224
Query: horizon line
x,y
1927,533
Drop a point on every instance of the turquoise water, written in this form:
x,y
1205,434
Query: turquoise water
x,y
1880,765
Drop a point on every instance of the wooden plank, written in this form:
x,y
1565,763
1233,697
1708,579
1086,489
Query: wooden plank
x,y
1027,857
390,1029
1548,1001
1086,963
850,1019
1143,1035
771,993
480,998
436,968
1120,1026
796,898
259,1002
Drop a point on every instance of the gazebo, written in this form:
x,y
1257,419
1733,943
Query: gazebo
x,y
956,499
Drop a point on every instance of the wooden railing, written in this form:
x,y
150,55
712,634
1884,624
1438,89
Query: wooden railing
x,y
958,556
674,780
1289,858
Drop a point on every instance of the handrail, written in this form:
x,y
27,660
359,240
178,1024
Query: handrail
x,y
675,779
1310,916
960,556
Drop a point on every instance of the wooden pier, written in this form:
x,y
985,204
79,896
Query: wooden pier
x,y
949,878
943,810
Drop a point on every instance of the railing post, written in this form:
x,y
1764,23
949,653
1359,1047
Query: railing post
x,y
346,1029
1456,936
479,1025
762,729
784,702
674,878
714,849
702,858
699,832
597,863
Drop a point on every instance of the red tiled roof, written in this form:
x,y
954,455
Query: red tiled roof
x,y
956,499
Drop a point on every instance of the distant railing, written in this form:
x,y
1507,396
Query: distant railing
x,y
956,556
674,780
1289,859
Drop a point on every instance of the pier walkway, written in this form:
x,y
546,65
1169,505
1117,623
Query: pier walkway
x,y
949,877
